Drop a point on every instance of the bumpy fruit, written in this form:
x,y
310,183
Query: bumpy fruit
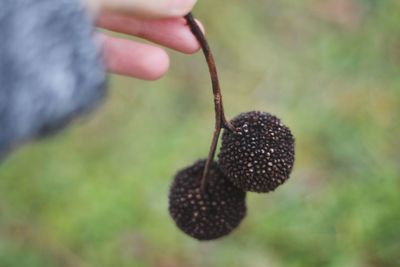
x,y
210,214
259,156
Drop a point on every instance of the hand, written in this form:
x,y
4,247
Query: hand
x,y
159,21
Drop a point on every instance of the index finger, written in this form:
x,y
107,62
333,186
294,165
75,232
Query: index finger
x,y
150,8
172,33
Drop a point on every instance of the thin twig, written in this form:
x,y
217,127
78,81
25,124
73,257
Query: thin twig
x,y
220,120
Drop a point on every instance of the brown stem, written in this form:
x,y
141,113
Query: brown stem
x,y
220,120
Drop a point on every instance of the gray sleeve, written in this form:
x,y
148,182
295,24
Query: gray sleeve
x,y
51,69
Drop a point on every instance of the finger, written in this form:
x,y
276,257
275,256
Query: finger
x,y
134,59
150,8
172,33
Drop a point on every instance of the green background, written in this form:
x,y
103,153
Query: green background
x,y
96,194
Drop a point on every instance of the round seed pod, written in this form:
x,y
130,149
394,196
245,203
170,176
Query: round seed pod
x,y
208,214
259,156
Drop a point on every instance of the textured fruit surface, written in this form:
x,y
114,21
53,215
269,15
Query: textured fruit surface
x,y
210,214
259,156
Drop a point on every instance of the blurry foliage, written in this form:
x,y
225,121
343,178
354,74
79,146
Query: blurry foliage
x,y
96,195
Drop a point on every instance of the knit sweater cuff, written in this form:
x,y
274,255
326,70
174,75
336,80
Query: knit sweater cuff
x,y
51,69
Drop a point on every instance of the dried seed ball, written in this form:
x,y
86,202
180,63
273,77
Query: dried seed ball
x,y
210,214
259,156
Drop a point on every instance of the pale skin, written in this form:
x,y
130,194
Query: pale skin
x,y
158,21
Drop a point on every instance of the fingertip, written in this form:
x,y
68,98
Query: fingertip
x,y
156,65
193,44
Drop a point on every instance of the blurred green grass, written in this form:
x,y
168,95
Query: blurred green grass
x,y
96,195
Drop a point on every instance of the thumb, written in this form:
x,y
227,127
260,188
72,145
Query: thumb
x,y
145,8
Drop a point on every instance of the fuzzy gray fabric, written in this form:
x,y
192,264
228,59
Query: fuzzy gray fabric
x,y
50,68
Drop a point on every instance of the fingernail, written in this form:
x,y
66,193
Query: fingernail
x,y
200,26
